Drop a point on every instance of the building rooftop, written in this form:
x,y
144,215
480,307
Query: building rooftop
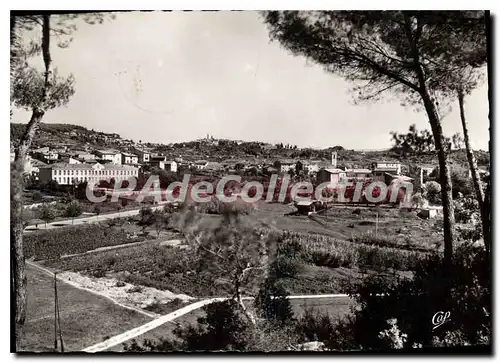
x,y
305,203
358,170
384,170
334,170
108,152
400,177
90,166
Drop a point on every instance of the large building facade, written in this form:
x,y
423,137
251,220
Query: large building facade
x,y
68,174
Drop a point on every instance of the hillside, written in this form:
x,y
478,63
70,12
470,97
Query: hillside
x,y
79,137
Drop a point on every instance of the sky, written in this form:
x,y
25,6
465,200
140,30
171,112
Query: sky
x,y
172,77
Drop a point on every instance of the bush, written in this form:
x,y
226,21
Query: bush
x,y
99,273
272,303
466,210
432,192
464,290
37,196
313,326
73,210
460,184
135,289
284,267
146,216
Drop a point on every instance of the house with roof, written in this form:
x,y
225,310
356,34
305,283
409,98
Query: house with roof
x,y
70,160
85,157
143,154
331,175
35,166
113,156
160,164
46,155
309,206
287,165
170,165
128,158
380,168
214,166
310,166
358,174
200,164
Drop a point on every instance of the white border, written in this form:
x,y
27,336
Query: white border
x,y
179,5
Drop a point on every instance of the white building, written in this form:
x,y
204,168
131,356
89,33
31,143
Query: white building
x,y
286,166
128,158
170,165
67,174
143,155
332,175
359,174
114,156
200,164
379,170
310,167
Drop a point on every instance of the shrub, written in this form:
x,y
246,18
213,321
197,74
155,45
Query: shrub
x,y
432,192
284,267
463,289
466,210
73,210
272,303
135,289
146,216
460,184
37,196
314,326
99,273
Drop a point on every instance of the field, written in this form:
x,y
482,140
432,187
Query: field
x,y
86,319
328,261
331,253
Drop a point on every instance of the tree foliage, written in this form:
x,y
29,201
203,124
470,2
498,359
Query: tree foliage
x,y
416,142
73,210
233,248
46,214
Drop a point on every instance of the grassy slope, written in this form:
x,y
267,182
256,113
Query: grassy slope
x,y
86,319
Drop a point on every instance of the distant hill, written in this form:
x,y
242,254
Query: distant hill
x,y
66,134
79,137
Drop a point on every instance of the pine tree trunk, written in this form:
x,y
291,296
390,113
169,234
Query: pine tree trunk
x,y
16,224
473,167
16,221
444,178
437,131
